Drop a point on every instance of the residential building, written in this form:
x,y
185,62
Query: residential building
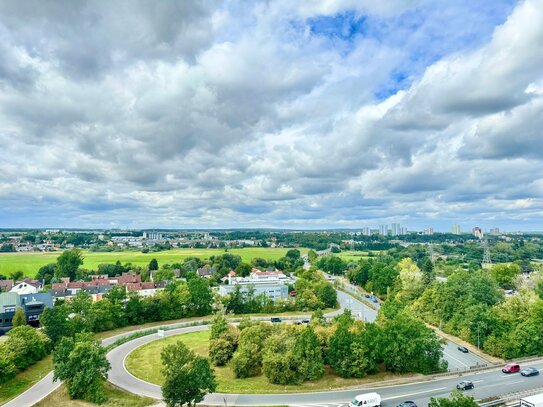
x,y
495,231
428,231
477,232
396,229
6,285
205,272
456,229
366,231
32,304
27,286
383,230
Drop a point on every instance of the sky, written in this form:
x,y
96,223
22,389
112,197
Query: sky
x,y
275,113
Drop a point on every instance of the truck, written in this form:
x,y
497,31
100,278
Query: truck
x,y
532,401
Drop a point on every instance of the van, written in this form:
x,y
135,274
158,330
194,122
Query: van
x,y
366,400
511,368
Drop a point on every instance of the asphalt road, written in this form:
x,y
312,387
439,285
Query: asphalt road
x,y
488,383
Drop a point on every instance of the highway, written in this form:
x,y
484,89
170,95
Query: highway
x,y
487,383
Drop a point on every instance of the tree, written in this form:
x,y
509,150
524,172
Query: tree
x,y
339,352
279,363
243,270
312,255
55,322
47,272
220,351
308,355
201,296
83,366
187,377
153,265
411,279
7,368
163,275
427,268
505,274
26,346
19,318
68,263
17,275
457,400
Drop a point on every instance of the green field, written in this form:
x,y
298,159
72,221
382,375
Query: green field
x,y
144,363
29,263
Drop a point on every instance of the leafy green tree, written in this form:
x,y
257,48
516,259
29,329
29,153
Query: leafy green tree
x,y
221,351
365,351
427,268
153,265
201,296
17,275
339,351
307,353
83,366
326,294
279,363
243,269
505,274
187,377
19,318
7,368
55,322
47,272
457,400
247,360
312,255
407,345
68,263
219,325
26,346
411,279
164,274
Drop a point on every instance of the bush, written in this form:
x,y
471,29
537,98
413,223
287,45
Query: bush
x,y
7,368
26,346
220,351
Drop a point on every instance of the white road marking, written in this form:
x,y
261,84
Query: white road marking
x,y
413,394
510,383
452,357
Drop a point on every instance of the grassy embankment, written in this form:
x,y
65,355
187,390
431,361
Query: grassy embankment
x,y
29,263
145,364
116,398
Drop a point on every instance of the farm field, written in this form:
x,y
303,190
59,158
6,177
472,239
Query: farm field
x,y
145,364
29,263
351,255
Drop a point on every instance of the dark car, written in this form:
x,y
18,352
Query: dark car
x,y
465,385
511,368
305,321
407,404
275,319
463,349
529,371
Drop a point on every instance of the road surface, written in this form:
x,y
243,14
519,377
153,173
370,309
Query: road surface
x,y
488,383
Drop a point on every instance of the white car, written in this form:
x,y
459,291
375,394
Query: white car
x,y
366,400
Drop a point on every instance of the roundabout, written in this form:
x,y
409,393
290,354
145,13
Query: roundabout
x,y
487,383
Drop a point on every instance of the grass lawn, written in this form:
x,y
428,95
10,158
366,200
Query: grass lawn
x,y
144,363
116,398
25,379
352,255
29,263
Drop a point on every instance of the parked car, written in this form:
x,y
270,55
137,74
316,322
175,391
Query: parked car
x,y
305,321
407,404
366,400
463,349
511,368
275,319
465,385
529,371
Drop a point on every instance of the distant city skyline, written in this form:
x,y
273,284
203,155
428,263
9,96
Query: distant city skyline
x,y
271,114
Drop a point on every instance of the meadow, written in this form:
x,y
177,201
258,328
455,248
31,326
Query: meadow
x,y
29,263
145,364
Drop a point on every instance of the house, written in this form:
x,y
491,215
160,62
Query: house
x,y
9,302
27,286
6,285
32,304
205,272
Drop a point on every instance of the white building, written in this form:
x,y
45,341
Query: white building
x,y
274,284
456,229
396,229
25,287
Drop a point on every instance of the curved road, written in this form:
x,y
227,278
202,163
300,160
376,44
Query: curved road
x,y
487,383
359,309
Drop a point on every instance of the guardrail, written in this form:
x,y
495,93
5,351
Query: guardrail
x,y
510,399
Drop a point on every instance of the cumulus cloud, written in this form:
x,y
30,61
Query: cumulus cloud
x,y
261,114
